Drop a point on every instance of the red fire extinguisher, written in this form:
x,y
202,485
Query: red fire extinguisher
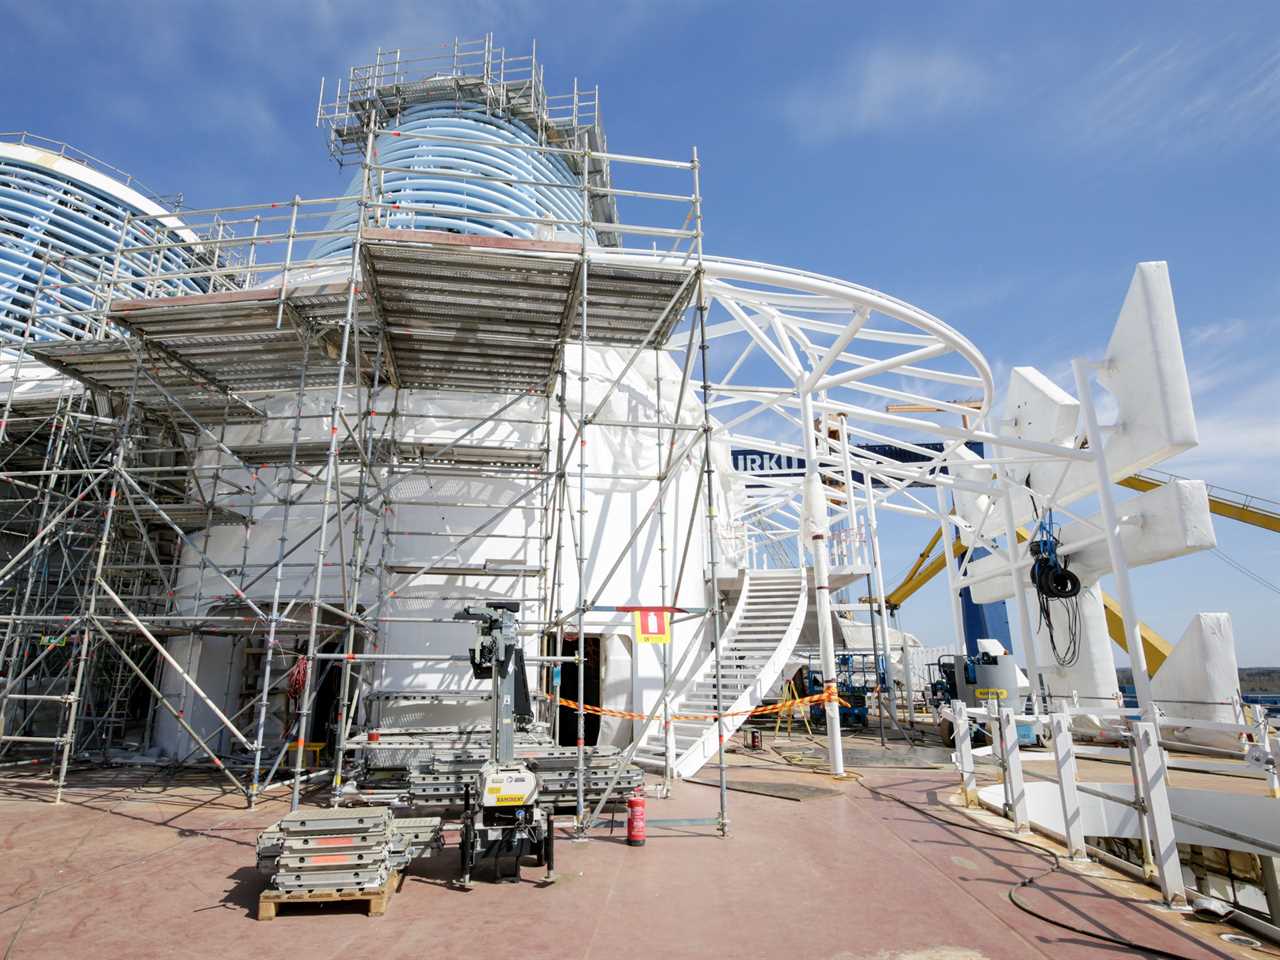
x,y
635,818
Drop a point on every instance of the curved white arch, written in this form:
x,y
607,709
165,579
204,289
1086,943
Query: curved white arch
x,y
786,341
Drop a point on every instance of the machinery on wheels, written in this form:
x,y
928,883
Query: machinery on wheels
x,y
501,818
501,781
855,674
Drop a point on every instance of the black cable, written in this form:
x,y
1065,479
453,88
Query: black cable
x,y
1054,582
1032,880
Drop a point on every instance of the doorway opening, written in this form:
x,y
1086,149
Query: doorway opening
x,y
568,718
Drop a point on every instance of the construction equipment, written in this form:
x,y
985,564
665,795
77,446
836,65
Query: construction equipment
x,y
342,850
438,768
501,817
505,780
850,684
979,679
789,715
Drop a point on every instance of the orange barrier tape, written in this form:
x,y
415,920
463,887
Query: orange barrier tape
x,y
824,697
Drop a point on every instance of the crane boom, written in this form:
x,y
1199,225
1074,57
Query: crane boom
x,y
1256,511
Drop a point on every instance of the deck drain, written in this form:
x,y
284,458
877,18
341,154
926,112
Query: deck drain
x,y
1240,940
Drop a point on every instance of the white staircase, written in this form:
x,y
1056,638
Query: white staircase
x,y
754,648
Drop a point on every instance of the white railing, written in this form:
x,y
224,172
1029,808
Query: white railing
x,y
845,548
754,694
1149,761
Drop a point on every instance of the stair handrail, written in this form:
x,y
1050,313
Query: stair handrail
x,y
754,694
781,653
730,630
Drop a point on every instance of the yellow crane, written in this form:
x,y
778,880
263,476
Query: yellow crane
x,y
1255,511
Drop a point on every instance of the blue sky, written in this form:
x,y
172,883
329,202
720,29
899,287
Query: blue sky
x,y
1001,165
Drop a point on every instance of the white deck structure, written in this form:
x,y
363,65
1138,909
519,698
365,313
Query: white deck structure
x,y
287,461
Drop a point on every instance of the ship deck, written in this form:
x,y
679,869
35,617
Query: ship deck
x,y
135,864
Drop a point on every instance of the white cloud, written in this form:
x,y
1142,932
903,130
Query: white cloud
x,y
1161,96
887,87
1237,449
1215,357
1175,97
1217,333
1239,438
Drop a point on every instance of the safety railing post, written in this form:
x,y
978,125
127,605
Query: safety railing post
x,y
1064,753
1015,793
1144,836
1152,777
1267,743
964,752
1271,886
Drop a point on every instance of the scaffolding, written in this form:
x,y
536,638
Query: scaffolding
x,y
185,421
226,459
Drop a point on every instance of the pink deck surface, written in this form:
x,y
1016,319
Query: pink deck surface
x,y
129,870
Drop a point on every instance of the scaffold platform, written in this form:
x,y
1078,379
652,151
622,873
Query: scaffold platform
x,y
487,313
458,312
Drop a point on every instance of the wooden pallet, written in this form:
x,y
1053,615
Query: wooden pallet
x,y
271,901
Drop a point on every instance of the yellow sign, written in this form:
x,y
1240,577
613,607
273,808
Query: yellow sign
x,y
511,799
653,625
991,693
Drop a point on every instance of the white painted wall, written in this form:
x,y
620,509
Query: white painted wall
x,y
615,504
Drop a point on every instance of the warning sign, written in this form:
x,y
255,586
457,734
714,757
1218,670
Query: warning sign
x,y
653,625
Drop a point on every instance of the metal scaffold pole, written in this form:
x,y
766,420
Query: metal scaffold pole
x,y
73,704
273,625
714,611
348,699
668,774
243,538
330,482
558,506
581,545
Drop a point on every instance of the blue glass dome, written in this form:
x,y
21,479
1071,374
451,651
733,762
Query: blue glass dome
x,y
60,229
426,174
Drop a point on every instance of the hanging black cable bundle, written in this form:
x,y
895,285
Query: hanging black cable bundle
x,y
1055,583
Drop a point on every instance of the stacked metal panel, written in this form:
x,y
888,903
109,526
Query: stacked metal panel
x,y
435,767
342,849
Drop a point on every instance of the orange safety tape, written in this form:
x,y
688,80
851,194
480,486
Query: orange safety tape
x,y
824,697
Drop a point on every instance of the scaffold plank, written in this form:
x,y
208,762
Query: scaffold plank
x,y
113,366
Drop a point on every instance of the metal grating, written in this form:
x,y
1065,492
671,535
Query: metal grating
x,y
116,366
187,517
474,313
458,313
424,453
244,339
